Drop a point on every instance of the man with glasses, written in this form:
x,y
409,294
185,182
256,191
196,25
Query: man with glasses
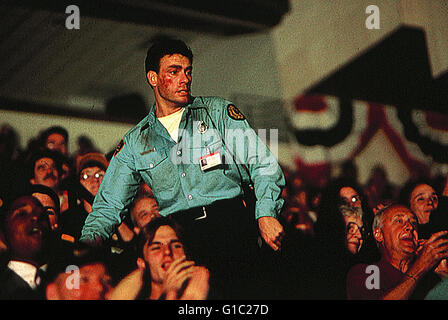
x,y
354,228
90,170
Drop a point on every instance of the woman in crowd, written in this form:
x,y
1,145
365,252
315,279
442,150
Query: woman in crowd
x,y
427,204
341,239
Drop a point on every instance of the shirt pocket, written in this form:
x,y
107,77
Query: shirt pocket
x,y
157,170
206,147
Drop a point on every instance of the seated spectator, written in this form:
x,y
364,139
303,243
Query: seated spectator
x,y
423,200
78,272
45,169
90,170
123,242
27,234
405,269
55,138
50,201
354,228
340,237
346,192
172,275
143,209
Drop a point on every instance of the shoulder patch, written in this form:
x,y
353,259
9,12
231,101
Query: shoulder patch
x,y
119,147
234,113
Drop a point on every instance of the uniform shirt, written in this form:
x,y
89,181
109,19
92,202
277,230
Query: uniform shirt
x,y
148,153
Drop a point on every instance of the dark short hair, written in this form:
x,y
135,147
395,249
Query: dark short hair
x,y
20,201
44,153
75,254
148,232
404,196
9,208
138,197
38,188
162,47
55,129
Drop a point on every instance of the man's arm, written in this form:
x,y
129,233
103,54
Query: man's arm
x,y
265,172
434,250
403,290
117,190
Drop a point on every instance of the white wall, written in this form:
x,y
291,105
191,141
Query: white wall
x,y
106,135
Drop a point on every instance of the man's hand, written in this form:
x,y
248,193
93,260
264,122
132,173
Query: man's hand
x,y
430,253
177,273
271,231
198,285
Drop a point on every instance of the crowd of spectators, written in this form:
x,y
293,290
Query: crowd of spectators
x,y
338,234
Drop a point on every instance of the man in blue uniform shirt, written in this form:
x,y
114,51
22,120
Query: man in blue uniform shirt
x,y
192,152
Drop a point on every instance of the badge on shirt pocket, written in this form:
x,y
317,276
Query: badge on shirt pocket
x,y
210,161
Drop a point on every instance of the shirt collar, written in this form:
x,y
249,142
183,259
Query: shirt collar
x,y
151,118
26,271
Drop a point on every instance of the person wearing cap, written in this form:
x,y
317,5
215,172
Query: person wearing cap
x,y
90,169
50,201
193,153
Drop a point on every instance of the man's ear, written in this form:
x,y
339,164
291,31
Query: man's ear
x,y
141,263
378,235
152,78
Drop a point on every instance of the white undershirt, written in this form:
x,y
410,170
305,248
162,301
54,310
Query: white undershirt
x,y
171,123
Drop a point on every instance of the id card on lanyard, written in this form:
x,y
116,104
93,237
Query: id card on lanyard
x,y
210,160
